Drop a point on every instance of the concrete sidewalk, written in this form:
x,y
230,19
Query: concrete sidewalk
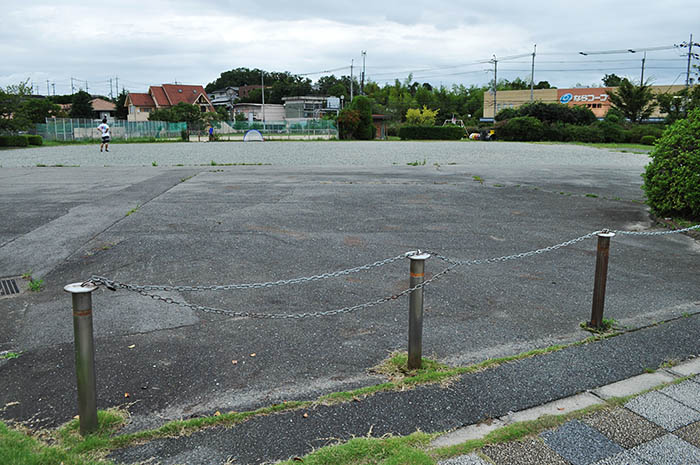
x,y
557,383
660,426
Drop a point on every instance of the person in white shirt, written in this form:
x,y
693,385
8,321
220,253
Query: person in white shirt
x,y
104,130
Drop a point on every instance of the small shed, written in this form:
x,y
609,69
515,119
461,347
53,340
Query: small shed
x,y
379,122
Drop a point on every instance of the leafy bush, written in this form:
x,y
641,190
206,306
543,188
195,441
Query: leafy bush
x,y
184,135
672,179
635,133
14,141
431,133
35,140
648,140
584,133
525,128
556,112
611,131
507,113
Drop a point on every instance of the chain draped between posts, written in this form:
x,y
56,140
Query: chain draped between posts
x,y
147,290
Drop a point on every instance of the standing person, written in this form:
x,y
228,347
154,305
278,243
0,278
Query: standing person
x,y
104,129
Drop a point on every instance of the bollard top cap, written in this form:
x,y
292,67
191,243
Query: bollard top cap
x,y
79,288
421,256
606,234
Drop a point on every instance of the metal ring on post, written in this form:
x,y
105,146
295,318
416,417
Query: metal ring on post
x,y
84,354
415,311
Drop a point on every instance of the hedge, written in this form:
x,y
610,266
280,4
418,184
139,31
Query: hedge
x,y
672,179
648,140
14,141
431,133
35,140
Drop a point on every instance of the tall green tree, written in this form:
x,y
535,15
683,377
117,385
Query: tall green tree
x,y
635,102
365,129
678,104
11,99
121,111
81,106
36,110
611,80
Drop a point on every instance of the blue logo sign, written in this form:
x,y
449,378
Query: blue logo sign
x,y
566,98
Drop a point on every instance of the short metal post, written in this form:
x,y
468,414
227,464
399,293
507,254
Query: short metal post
x,y
415,311
601,277
84,355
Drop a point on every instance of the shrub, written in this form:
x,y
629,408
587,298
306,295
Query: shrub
x,y
555,132
647,140
507,113
35,140
185,135
584,133
611,131
672,179
431,133
556,112
14,141
524,128
635,133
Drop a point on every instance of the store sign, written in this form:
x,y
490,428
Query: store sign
x,y
585,96
566,98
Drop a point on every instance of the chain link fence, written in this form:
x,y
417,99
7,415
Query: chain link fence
x,y
74,129
148,290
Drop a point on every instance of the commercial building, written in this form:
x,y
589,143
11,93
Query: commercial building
x,y
595,98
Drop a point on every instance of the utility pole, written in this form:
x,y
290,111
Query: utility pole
x,y
352,63
87,89
532,75
72,87
641,81
690,56
53,84
111,95
48,92
117,78
362,80
262,80
495,85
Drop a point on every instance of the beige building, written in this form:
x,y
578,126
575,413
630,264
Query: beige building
x,y
594,98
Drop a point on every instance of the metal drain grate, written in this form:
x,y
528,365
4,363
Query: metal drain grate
x,y
8,287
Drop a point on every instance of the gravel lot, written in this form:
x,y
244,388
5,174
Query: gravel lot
x,y
358,154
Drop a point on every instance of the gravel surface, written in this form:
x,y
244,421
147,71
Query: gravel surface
x,y
320,153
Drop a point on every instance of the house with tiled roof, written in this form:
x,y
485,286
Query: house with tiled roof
x,y
140,105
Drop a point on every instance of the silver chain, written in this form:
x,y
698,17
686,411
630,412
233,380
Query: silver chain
x,y
145,290
278,316
504,258
112,284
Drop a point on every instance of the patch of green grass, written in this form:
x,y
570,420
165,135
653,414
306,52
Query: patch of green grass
x,y
19,448
607,325
593,196
478,179
391,450
35,285
417,163
27,275
499,185
133,210
154,163
9,355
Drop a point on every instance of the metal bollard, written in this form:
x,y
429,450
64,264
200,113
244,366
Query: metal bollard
x,y
84,355
415,312
601,277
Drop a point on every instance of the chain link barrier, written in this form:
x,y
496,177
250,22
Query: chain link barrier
x,y
147,290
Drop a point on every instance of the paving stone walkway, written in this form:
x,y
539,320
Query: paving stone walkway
x,y
660,427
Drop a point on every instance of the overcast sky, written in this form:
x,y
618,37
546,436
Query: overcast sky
x,y
154,42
